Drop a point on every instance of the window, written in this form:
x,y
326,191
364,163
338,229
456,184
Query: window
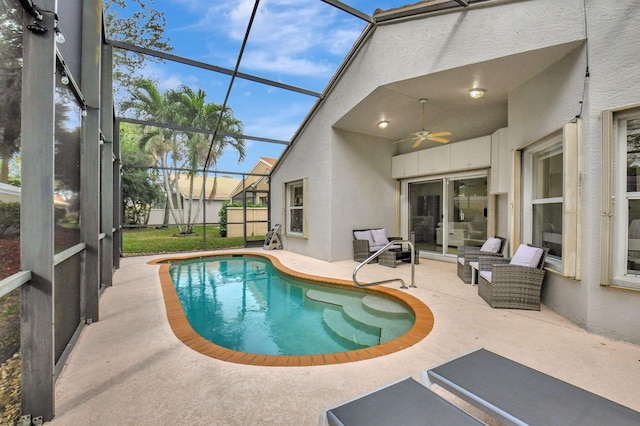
x,y
626,235
550,171
631,137
295,214
547,200
543,168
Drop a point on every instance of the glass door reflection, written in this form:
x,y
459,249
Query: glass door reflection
x,y
425,212
466,213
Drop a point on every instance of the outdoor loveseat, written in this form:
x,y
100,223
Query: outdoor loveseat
x,y
368,241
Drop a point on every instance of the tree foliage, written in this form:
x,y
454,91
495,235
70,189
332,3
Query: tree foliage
x,y
135,22
9,216
140,187
10,84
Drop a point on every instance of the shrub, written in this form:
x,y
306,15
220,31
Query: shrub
x,y
9,216
222,214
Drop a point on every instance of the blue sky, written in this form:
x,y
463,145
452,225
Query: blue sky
x,y
295,42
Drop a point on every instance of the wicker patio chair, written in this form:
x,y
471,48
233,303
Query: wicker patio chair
x,y
468,254
503,283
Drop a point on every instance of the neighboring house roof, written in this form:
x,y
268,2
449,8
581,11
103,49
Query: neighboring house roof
x,y
262,167
224,186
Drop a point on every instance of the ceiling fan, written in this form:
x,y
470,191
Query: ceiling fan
x,y
421,136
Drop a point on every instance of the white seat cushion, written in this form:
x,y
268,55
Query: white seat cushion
x,y
527,256
461,260
486,275
364,235
492,245
380,237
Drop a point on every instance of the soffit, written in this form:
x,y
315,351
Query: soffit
x,y
450,107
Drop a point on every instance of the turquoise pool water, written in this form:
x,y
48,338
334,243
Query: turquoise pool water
x,y
245,304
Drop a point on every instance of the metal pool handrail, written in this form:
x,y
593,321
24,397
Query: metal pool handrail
x,y
378,253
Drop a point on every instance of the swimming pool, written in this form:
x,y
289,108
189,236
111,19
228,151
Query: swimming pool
x,y
249,309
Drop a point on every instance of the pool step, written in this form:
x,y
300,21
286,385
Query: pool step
x,y
385,307
338,299
358,319
342,330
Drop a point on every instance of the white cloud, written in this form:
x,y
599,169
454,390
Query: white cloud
x,y
283,63
281,125
291,37
170,82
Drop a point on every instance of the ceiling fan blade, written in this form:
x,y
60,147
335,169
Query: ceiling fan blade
x,y
437,134
437,139
418,142
404,140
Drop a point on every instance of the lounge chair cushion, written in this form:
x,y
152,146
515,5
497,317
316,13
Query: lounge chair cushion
x,y
527,256
486,275
364,235
492,245
405,403
380,237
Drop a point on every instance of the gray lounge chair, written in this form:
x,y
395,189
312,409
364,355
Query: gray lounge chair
x,y
405,402
518,395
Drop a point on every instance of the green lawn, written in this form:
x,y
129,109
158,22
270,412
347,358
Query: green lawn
x,y
166,240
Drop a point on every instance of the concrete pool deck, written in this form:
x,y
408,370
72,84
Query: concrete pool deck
x,y
130,368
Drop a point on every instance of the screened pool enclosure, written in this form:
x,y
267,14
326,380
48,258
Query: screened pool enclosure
x,y
115,118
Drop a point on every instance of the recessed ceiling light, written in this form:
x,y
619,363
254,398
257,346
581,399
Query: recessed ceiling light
x,y
383,124
477,93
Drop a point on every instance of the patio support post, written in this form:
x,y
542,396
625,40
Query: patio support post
x,y
106,124
90,157
36,216
117,196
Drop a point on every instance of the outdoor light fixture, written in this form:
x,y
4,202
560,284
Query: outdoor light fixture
x,y
383,124
84,111
59,36
37,28
56,29
64,78
477,93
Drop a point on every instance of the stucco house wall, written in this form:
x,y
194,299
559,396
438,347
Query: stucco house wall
x,y
550,98
9,193
350,179
310,161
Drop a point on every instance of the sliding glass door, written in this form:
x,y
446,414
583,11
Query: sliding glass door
x,y
448,212
425,212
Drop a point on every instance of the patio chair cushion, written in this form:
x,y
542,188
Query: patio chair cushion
x,y
380,237
527,256
486,275
492,245
364,235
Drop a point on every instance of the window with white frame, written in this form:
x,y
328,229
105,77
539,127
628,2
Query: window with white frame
x,y
626,236
295,215
548,213
543,167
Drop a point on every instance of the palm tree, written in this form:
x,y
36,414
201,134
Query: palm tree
x,y
148,103
175,151
193,111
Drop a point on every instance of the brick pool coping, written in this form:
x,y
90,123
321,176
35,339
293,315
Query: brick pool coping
x,y
183,330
